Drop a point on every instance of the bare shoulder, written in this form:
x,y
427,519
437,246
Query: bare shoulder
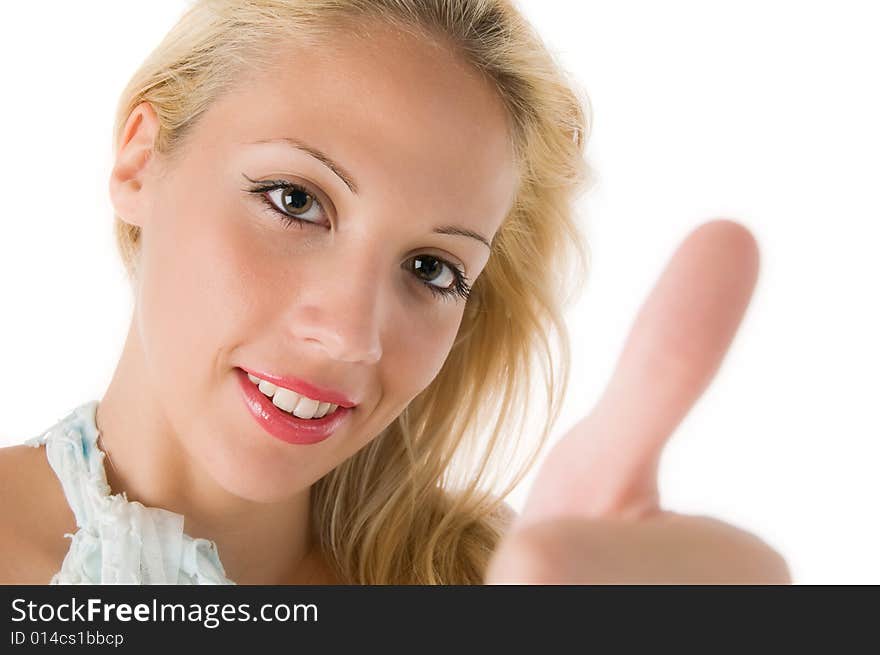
x,y
21,475
34,519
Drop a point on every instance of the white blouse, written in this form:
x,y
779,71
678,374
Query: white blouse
x,y
118,541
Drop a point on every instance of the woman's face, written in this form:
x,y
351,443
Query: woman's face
x,y
351,299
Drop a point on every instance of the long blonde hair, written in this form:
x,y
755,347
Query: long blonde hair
x,y
422,503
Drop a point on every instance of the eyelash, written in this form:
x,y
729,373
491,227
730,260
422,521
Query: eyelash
x,y
459,288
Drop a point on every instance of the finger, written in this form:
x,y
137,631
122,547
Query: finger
x,y
607,464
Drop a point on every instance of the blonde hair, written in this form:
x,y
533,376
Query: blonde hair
x,y
420,504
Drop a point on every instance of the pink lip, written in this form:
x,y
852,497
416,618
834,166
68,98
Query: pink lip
x,y
304,388
284,425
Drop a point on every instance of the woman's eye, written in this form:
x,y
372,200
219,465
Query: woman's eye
x,y
291,202
296,202
442,278
435,271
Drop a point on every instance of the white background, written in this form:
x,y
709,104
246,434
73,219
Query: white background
x,y
766,112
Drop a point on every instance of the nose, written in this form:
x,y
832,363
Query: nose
x,y
339,309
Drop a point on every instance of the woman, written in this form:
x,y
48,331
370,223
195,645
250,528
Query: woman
x,y
348,228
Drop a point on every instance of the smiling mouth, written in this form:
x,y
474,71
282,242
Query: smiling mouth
x,y
285,425
292,402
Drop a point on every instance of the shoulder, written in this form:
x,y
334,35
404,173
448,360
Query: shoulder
x,y
34,519
22,473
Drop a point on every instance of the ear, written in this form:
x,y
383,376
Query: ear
x,y
130,174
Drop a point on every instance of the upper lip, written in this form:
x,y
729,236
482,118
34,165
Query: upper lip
x,y
299,385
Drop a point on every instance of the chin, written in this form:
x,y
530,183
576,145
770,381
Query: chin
x,y
257,475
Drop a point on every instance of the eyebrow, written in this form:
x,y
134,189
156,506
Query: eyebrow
x,y
461,231
340,172
346,177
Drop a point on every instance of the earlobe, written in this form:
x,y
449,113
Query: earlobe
x,y
128,179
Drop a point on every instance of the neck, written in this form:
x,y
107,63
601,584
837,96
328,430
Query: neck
x,y
258,542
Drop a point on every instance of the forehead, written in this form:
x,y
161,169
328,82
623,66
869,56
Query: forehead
x,y
406,117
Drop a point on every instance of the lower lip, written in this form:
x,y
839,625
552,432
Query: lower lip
x,y
284,425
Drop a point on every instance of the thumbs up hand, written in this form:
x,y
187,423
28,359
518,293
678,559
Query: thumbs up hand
x,y
593,514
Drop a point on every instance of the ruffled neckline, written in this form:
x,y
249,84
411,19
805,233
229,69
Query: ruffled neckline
x,y
118,541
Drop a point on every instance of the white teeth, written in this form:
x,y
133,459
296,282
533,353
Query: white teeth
x,y
290,401
285,399
305,408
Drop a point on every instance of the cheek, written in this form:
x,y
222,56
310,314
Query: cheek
x,y
192,293
422,341
415,346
